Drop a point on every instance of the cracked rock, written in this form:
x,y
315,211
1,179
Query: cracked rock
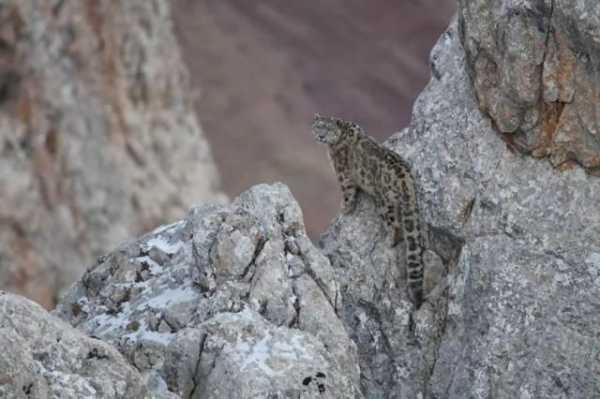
x,y
516,310
221,304
44,357
534,70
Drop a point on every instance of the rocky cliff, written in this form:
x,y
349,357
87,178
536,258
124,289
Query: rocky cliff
x,y
98,139
235,301
514,284
534,70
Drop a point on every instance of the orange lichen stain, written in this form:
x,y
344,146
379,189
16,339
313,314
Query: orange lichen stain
x,y
568,165
105,30
566,68
592,164
551,113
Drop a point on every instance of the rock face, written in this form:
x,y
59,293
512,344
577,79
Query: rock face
x,y
231,302
534,66
514,280
93,107
234,301
43,357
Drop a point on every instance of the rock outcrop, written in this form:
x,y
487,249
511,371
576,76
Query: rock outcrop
x,y
235,301
514,287
98,139
231,302
44,357
534,67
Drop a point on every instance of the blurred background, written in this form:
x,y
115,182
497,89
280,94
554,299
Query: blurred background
x,y
118,116
263,68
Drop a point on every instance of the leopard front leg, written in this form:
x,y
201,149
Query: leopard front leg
x,y
341,161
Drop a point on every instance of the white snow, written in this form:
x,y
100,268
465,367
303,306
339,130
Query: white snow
x,y
108,323
167,227
171,296
272,348
105,323
164,245
69,385
594,259
258,354
143,334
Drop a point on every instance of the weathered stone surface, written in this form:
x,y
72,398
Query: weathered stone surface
x,y
231,302
518,314
44,357
397,347
98,139
534,66
234,300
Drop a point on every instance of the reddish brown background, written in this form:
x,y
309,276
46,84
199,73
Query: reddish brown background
x,y
263,68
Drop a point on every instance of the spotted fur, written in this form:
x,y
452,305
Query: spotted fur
x,y
362,164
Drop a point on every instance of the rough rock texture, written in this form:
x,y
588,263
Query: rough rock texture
x,y
535,69
234,301
517,315
231,302
44,357
98,139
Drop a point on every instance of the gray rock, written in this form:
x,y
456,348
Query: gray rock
x,y
231,302
514,290
44,357
234,301
98,137
242,355
534,66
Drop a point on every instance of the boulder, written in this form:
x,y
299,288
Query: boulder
x,y
230,302
44,357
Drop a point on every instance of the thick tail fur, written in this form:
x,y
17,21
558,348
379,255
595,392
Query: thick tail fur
x,y
414,266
